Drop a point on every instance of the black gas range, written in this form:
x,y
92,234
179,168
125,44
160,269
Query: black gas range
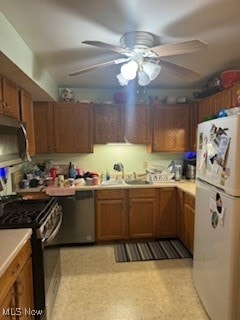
x,y
44,217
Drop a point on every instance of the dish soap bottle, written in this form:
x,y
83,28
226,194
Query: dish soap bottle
x,y
107,175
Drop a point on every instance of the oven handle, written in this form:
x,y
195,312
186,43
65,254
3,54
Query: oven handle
x,y
46,241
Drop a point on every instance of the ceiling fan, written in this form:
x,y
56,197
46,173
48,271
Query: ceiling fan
x,y
141,56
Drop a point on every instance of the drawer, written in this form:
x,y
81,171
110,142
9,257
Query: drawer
x,y
142,193
111,194
189,200
10,275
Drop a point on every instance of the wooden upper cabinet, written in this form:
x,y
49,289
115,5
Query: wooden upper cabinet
x,y
221,100
193,117
137,124
236,95
1,97
73,127
205,109
108,123
26,109
43,127
170,128
10,98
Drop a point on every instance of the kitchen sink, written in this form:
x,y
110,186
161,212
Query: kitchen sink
x,y
137,181
112,182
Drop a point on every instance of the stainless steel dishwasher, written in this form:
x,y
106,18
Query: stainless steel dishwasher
x,y
78,224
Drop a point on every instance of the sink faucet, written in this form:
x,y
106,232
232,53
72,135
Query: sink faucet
x,y
119,167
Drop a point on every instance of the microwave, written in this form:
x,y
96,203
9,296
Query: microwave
x,y
13,142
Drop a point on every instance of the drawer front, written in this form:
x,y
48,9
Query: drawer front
x,y
111,194
10,275
190,200
142,193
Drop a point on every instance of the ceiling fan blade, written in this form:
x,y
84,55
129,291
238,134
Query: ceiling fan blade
x,y
99,65
179,71
183,47
108,46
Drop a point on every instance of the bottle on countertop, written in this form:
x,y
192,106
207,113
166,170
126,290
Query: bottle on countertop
x,y
107,175
72,171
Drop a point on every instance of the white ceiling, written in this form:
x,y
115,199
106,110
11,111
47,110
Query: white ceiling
x,y
54,29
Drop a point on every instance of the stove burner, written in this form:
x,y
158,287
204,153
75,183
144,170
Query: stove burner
x,y
25,213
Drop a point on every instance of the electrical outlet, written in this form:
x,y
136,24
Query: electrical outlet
x,y
145,165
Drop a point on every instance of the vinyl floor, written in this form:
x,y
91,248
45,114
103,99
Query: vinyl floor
x,y
95,287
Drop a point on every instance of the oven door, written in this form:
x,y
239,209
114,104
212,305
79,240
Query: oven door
x,y
52,270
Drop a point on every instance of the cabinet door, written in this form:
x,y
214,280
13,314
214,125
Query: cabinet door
x,y
171,128
111,215
111,219
73,127
142,213
222,100
137,124
1,97
180,215
235,91
205,109
189,216
108,123
26,108
167,215
7,307
193,126
24,291
43,127
10,98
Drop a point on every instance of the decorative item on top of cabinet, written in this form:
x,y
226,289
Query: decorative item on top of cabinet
x,y
137,124
167,214
26,110
10,99
170,128
108,123
189,217
111,215
142,213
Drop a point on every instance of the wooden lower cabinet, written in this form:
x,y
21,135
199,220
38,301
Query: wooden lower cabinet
x,y
16,287
145,213
111,215
189,216
180,214
7,307
23,289
167,216
142,213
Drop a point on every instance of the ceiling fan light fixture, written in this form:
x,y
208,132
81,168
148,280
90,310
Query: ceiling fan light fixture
x,y
152,70
129,70
143,78
122,81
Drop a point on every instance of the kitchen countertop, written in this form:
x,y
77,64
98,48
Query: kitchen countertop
x,y
185,185
11,242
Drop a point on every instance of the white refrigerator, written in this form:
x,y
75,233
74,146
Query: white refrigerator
x,y
216,260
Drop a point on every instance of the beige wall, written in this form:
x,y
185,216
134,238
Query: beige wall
x,y
104,157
